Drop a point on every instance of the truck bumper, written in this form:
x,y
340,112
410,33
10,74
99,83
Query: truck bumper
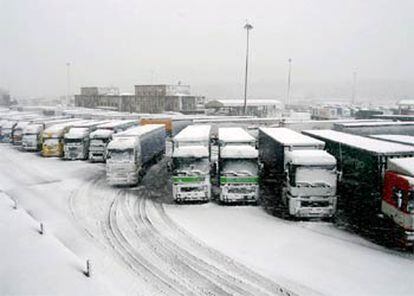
x,y
296,208
182,196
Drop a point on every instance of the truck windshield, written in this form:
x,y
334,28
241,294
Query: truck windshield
x,y
74,141
239,167
51,142
126,155
191,165
314,176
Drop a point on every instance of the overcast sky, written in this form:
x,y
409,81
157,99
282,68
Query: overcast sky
x,y
202,43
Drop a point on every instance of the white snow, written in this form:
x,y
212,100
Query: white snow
x,y
238,151
122,143
101,133
315,254
194,133
402,139
403,166
77,133
310,157
234,134
363,143
289,137
191,151
58,128
116,123
33,128
139,130
375,123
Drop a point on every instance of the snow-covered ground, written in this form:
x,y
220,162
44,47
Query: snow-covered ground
x,y
139,246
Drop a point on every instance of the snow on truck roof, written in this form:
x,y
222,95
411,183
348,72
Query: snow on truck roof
x,y
310,157
402,139
375,123
363,143
403,166
123,143
139,130
101,133
191,151
115,123
194,133
289,137
77,132
59,127
239,151
234,134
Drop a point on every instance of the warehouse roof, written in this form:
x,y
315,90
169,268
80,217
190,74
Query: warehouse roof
x,y
234,134
194,133
363,143
288,137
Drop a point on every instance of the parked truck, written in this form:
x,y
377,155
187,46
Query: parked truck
x,y
238,169
191,164
100,138
131,152
76,141
398,199
304,176
363,189
53,139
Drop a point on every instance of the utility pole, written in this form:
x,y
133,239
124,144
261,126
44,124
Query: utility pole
x,y
354,80
248,27
68,64
288,83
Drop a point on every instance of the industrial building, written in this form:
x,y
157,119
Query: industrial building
x,y
259,108
4,98
147,99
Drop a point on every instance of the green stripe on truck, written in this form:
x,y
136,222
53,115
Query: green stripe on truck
x,y
225,180
188,179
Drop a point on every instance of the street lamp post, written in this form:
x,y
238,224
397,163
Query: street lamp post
x,y
288,82
68,64
248,27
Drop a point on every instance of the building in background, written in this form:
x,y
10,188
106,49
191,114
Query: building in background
x,y
147,99
4,98
259,108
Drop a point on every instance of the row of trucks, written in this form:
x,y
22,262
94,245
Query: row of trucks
x,y
303,174
377,183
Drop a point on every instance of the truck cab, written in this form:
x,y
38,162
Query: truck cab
x,y
398,198
99,140
76,143
310,183
191,173
31,139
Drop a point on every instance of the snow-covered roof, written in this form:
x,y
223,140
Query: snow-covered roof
x,y
289,137
238,151
33,128
403,165
359,142
115,123
310,157
240,103
123,143
77,132
194,133
191,151
234,135
139,130
375,123
101,133
402,139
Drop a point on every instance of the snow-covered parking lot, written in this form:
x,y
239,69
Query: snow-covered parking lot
x,y
140,246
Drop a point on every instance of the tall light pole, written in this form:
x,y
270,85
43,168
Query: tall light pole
x,y
68,64
288,83
354,81
248,27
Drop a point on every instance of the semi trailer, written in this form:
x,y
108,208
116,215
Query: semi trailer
x,y
131,152
402,139
238,169
379,127
368,167
191,164
100,138
304,176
